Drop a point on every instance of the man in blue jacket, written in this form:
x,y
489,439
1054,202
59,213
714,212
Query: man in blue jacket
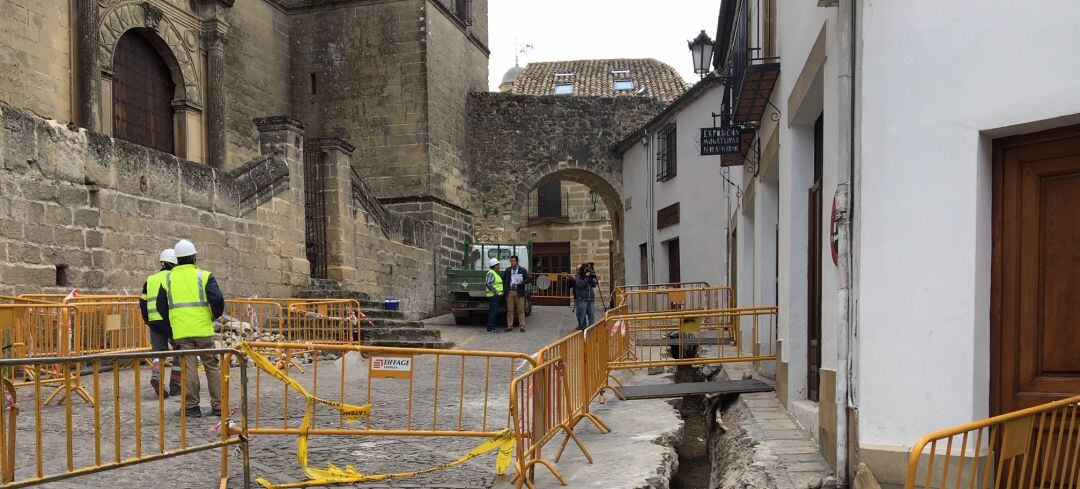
x,y
516,277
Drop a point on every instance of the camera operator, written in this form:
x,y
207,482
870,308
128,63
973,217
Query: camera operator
x,y
582,287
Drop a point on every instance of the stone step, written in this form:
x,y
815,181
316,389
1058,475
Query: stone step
x,y
332,293
402,334
446,345
391,323
380,313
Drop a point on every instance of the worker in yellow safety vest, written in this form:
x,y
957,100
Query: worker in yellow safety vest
x,y
190,301
160,333
493,284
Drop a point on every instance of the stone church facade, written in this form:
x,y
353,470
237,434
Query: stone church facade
x,y
299,143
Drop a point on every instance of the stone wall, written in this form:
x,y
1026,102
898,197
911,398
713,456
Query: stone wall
x,y
102,209
588,231
35,56
367,60
519,140
456,68
256,74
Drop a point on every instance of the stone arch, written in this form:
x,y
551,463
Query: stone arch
x,y
609,192
175,47
607,186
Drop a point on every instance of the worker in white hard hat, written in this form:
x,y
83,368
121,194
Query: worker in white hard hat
x,y
160,333
190,301
493,284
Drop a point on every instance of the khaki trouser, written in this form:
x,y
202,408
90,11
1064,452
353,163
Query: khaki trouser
x,y
515,304
210,367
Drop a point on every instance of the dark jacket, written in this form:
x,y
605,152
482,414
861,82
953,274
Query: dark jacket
x,y
582,288
160,327
525,279
213,296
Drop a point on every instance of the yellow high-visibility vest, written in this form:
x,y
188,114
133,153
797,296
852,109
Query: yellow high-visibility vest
x,y
189,311
153,285
498,284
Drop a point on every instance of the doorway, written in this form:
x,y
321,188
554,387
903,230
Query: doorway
x,y
673,267
813,269
1035,283
553,260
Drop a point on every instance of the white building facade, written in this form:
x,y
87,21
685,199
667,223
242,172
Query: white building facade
x,y
911,203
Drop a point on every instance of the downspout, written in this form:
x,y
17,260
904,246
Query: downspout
x,y
845,211
650,177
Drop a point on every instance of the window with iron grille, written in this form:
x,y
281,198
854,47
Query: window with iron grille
x,y
665,154
463,9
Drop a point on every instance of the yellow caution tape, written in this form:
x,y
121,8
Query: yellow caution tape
x,y
351,412
503,441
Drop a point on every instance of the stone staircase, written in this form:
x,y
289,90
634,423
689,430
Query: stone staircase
x,y
386,328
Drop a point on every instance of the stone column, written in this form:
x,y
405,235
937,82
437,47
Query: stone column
x,y
214,37
283,137
336,187
89,65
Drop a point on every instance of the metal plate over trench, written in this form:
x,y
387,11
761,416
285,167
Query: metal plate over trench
x,y
660,391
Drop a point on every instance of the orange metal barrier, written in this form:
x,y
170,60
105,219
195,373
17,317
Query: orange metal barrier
x,y
323,321
104,327
417,373
621,290
36,330
82,298
8,409
1029,448
260,319
745,334
679,299
540,401
105,422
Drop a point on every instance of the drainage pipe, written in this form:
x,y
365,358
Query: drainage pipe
x,y
845,207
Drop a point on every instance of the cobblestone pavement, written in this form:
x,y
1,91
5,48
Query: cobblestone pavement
x,y
463,390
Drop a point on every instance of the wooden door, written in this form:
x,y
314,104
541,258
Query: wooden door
x,y
674,269
142,94
813,294
553,260
813,268
1035,331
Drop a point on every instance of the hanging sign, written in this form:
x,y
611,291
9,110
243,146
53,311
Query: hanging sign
x,y
721,140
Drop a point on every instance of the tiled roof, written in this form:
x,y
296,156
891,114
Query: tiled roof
x,y
595,77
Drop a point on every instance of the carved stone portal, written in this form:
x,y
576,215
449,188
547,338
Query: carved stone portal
x,y
119,17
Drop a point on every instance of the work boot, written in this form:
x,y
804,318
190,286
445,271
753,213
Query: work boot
x,y
193,412
157,388
174,388
522,328
215,412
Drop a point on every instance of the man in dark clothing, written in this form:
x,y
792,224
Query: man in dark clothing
x,y
160,332
516,276
582,288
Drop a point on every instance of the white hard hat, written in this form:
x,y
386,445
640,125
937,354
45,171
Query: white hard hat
x,y
492,262
184,248
168,256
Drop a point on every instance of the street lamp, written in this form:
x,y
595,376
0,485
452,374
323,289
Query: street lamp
x,y
702,50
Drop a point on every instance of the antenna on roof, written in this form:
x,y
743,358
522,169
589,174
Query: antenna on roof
x,y
521,49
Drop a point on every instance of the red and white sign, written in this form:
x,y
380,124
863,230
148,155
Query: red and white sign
x,y
391,366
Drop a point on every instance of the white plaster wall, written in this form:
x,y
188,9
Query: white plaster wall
x,y
698,189
635,225
938,80
799,24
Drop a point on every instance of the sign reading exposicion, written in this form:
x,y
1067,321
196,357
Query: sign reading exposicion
x,y
721,140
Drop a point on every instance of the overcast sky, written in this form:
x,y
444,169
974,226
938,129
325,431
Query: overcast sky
x,y
594,29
